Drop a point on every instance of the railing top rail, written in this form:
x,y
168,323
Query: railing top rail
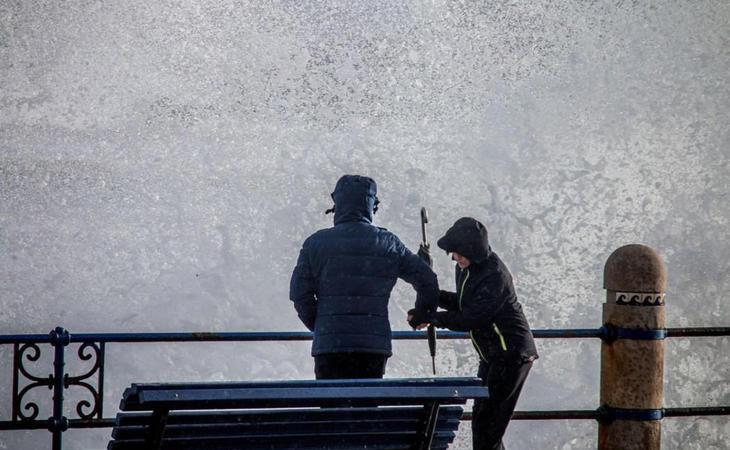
x,y
594,414
698,331
307,336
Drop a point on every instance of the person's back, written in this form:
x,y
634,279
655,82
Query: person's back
x,y
343,280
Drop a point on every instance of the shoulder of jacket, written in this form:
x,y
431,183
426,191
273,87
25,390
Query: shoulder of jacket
x,y
385,233
488,278
501,268
390,236
319,234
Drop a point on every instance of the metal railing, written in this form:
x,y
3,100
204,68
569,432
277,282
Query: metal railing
x,y
92,349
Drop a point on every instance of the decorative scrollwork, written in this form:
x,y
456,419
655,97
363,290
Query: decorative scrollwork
x,y
86,404
33,357
30,405
86,352
85,357
32,353
24,381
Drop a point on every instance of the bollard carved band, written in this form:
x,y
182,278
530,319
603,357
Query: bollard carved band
x,y
640,298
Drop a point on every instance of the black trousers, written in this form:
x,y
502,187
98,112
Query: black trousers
x,y
491,416
349,365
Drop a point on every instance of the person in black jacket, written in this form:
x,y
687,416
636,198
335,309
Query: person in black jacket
x,y
485,305
342,282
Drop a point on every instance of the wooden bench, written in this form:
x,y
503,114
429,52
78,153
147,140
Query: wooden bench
x,y
390,414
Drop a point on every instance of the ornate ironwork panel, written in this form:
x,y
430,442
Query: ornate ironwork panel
x,y
24,381
30,352
84,408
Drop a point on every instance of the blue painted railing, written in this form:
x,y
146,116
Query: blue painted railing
x,y
93,348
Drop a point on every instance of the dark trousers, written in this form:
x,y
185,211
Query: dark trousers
x,y
491,416
349,365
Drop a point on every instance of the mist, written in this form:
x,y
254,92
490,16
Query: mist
x,y
162,162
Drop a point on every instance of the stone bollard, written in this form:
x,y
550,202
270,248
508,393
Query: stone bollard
x,y
632,358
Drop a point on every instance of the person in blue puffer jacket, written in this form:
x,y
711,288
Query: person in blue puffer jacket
x,y
342,283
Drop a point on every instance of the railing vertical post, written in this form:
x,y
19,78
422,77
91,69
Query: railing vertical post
x,y
632,355
17,363
57,424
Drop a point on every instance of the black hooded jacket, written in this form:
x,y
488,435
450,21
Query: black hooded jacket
x,y
344,275
484,303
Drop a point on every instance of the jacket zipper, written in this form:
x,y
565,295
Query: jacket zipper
x,y
461,291
471,333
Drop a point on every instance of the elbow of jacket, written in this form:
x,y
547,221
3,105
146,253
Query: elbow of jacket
x,y
308,322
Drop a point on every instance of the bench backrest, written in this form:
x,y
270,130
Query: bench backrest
x,y
320,414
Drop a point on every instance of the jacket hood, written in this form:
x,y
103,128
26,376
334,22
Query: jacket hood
x,y
467,237
355,199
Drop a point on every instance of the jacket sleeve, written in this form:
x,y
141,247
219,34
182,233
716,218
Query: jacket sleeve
x,y
448,300
303,289
477,312
413,270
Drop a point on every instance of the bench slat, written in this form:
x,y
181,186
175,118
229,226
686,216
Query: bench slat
x,y
288,397
395,441
293,430
406,423
275,416
140,445
131,396
361,382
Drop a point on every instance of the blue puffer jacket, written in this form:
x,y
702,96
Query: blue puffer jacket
x,y
344,275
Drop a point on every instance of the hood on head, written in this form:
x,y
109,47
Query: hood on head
x,y
467,237
355,199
